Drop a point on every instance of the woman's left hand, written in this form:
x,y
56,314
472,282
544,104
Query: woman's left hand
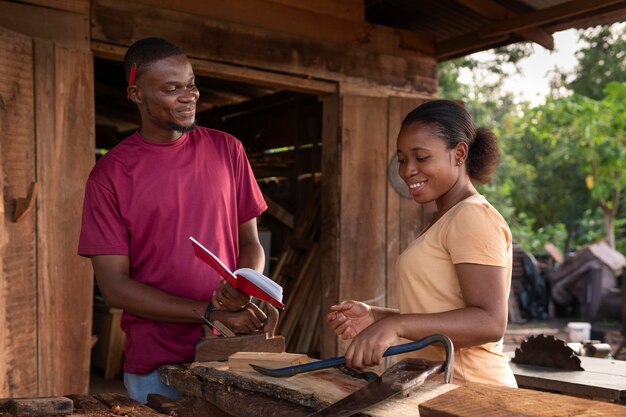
x,y
367,347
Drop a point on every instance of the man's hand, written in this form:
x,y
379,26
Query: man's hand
x,y
249,319
229,298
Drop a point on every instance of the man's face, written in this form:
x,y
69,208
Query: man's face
x,y
166,95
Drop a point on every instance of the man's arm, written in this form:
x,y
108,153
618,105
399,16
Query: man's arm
x,y
119,290
251,255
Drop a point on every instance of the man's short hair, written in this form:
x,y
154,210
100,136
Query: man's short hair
x,y
147,51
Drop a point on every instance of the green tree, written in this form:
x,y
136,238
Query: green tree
x,y
600,61
578,148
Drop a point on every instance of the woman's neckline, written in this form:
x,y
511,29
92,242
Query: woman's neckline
x,y
440,215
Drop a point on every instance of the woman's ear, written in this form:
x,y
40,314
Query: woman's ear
x,y
460,152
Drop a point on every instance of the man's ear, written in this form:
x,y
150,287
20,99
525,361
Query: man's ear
x,y
133,93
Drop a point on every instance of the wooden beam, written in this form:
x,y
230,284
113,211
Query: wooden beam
x,y
495,12
543,17
344,9
120,22
465,44
76,6
208,68
312,22
65,28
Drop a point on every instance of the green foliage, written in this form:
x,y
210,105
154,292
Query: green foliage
x,y
563,164
601,62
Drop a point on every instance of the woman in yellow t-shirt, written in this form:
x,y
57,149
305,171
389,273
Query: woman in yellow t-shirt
x,y
455,277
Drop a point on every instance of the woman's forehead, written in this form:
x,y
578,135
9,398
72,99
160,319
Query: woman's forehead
x,y
419,135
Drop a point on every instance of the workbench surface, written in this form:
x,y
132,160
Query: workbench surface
x,y
249,394
601,379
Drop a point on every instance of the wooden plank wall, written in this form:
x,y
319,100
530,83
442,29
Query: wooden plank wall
x,y
18,286
46,296
404,215
376,224
65,155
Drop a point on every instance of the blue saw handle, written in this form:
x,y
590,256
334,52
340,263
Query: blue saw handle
x,y
341,360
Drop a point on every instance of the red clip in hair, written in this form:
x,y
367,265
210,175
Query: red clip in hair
x,y
131,76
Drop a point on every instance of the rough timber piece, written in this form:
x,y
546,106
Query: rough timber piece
x,y
186,406
220,348
121,405
473,400
232,391
241,403
242,360
44,406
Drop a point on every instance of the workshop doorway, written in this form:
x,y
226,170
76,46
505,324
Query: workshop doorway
x,y
281,131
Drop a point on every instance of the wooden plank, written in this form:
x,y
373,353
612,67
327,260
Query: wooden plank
x,y
66,28
307,22
44,407
543,16
186,406
314,390
330,214
122,405
65,144
229,72
473,400
18,285
363,245
120,22
241,403
495,12
76,6
344,9
242,360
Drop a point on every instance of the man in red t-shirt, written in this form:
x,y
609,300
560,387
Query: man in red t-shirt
x,y
144,199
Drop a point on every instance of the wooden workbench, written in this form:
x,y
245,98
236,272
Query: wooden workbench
x,y
249,394
603,379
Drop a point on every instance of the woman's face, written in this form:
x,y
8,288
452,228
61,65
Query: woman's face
x,y
429,169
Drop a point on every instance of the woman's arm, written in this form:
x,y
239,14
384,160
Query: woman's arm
x,y
482,320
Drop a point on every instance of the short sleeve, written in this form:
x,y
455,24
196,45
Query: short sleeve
x,y
479,235
250,201
103,231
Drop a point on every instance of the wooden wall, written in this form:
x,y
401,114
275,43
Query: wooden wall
x,y
372,222
293,41
46,90
18,287
366,75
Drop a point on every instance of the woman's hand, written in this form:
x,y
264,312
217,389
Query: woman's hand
x,y
229,298
348,318
368,346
